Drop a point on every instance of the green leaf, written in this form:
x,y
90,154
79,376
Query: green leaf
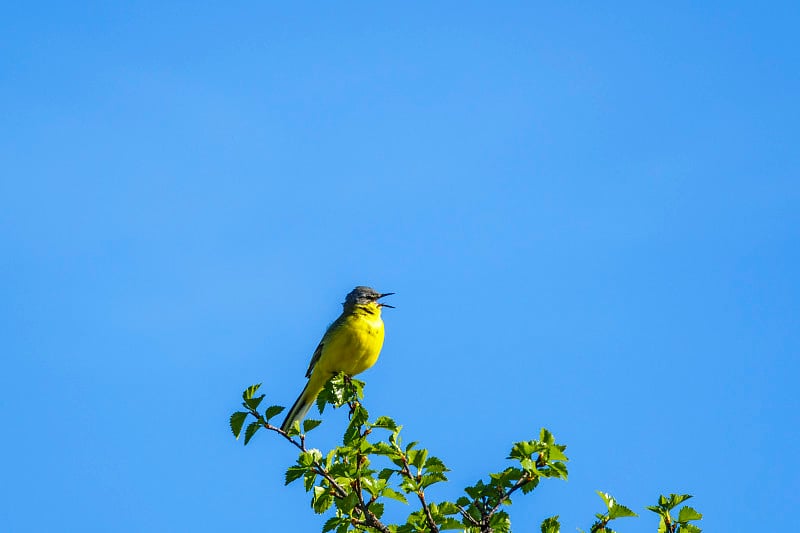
x,y
348,503
429,479
385,422
450,523
294,429
447,508
620,511
353,430
377,509
321,500
334,522
393,494
295,472
386,473
250,431
309,457
417,457
323,399
672,501
530,485
309,424
500,522
690,528
273,410
555,452
253,403
675,499
250,391
309,479
383,448
434,464
557,469
608,499
551,525
236,422
687,513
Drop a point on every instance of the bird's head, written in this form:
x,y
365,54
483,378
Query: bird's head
x,y
365,295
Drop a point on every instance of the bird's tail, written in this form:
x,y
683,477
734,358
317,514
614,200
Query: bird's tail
x,y
301,405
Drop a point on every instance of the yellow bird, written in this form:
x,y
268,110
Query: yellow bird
x,y
350,345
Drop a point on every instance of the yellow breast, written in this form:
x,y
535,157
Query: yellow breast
x,y
353,344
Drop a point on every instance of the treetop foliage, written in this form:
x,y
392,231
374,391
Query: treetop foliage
x,y
352,483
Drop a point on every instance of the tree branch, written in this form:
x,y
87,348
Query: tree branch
x,y
406,472
370,520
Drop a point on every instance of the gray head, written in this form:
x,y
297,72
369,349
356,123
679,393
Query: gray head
x,y
365,295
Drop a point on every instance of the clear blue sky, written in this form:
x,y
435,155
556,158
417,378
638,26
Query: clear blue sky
x,y
590,215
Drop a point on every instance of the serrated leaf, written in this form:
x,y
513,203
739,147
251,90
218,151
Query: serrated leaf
x,y
294,472
386,473
309,424
607,498
254,402
321,500
294,429
377,509
530,485
447,508
385,422
252,427
332,523
383,448
273,410
309,457
690,528
323,399
393,494
554,453
353,430
250,391
348,503
675,499
687,513
429,479
236,422
418,457
551,525
500,522
309,479
620,511
450,523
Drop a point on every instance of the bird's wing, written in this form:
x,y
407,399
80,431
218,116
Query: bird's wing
x,y
315,358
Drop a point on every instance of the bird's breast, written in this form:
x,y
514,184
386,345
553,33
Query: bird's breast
x,y
355,346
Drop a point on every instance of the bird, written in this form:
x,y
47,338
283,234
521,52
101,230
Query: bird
x,y
351,345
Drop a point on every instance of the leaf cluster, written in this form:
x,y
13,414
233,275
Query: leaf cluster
x,y
669,524
372,468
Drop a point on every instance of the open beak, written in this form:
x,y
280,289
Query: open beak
x,y
383,304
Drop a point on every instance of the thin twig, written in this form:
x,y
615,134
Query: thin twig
x,y
466,515
370,519
406,471
520,482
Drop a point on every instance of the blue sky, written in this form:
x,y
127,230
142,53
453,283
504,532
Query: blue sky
x,y
589,215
